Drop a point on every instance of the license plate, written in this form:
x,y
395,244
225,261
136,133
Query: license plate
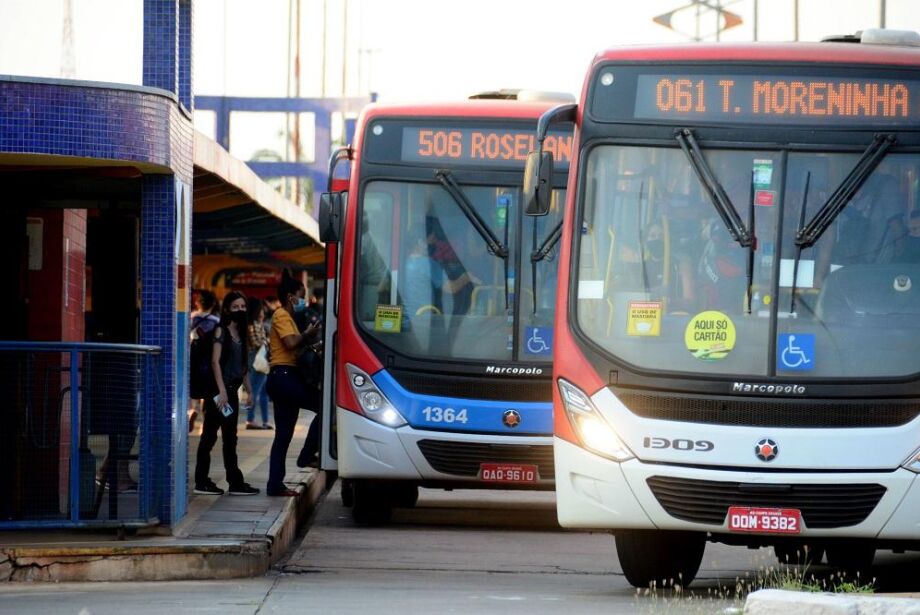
x,y
507,473
764,520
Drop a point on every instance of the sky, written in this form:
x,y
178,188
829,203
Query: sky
x,y
402,49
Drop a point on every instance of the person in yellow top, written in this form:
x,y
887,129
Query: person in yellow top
x,y
286,385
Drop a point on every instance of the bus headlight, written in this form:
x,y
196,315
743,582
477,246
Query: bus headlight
x,y
373,402
913,462
593,430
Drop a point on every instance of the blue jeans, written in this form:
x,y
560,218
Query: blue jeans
x,y
259,396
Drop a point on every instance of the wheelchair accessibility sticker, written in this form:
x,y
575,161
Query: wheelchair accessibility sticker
x,y
796,352
539,341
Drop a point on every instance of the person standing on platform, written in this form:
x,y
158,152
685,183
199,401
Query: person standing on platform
x,y
286,385
258,339
222,410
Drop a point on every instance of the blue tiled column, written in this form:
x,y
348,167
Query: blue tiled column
x,y
165,231
186,93
158,325
161,44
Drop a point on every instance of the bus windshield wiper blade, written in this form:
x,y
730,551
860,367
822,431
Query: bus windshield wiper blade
x,y
450,185
540,253
752,247
495,246
798,246
714,189
824,217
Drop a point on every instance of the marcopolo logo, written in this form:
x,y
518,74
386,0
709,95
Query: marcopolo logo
x,y
514,371
768,389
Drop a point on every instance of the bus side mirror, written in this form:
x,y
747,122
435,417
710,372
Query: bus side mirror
x,y
538,175
331,208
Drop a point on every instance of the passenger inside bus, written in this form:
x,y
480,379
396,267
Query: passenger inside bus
x,y
422,289
906,248
867,227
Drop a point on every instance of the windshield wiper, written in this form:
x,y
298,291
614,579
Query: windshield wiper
x,y
752,246
798,246
808,235
540,253
720,200
496,247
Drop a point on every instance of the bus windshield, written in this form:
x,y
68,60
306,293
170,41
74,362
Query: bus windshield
x,y
429,286
663,286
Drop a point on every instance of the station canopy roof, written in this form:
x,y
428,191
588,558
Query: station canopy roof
x,y
237,214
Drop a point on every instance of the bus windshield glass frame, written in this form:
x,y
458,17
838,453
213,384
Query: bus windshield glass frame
x,y
660,284
426,285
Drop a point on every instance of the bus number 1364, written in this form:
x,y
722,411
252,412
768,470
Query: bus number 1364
x,y
436,414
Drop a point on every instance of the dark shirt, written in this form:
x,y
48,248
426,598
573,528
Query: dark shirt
x,y
232,365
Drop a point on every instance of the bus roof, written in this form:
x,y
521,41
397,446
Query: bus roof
x,y
831,53
480,108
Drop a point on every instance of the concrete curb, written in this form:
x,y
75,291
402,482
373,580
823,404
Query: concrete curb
x,y
164,559
772,601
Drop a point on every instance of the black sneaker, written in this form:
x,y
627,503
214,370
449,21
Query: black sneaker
x,y
208,488
243,489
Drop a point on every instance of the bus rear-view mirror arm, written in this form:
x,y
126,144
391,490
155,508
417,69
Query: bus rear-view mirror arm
x,y
538,171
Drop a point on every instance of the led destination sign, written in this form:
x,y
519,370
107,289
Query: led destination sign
x,y
846,97
480,146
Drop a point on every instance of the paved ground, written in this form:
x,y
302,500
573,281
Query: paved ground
x,y
460,552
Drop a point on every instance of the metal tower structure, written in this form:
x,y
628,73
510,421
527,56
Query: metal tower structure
x,y
68,58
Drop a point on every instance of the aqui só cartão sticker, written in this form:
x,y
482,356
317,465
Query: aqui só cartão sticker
x,y
710,335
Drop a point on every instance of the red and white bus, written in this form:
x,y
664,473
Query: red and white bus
x,y
738,318
440,305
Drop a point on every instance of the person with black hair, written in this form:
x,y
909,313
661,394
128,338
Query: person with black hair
x,y
221,411
257,339
286,385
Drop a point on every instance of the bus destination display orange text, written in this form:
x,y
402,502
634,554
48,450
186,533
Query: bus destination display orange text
x,y
492,147
776,99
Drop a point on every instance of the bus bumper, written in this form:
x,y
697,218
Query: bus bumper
x,y
369,450
597,493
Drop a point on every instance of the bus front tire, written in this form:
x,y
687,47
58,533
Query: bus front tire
x,y
659,559
373,504
348,493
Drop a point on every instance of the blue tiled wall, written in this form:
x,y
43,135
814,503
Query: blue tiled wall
x,y
158,316
46,117
161,44
186,19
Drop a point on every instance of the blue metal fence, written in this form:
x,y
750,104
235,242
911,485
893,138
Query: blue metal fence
x,y
77,436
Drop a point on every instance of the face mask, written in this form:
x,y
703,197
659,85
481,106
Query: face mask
x,y
299,305
239,318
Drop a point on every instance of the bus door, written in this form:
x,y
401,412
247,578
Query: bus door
x,y
328,445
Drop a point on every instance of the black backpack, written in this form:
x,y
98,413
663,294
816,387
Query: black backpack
x,y
201,377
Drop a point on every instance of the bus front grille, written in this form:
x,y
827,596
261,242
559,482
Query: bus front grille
x,y
823,506
771,413
475,387
464,458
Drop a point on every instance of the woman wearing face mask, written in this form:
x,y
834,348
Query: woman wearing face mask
x,y
230,366
286,386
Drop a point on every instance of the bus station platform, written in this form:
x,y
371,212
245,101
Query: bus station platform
x,y
220,537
